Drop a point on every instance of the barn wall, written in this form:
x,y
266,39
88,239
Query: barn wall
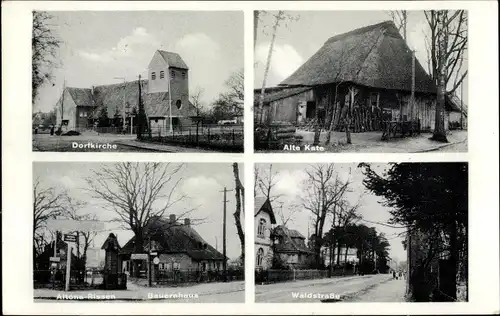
x,y
287,109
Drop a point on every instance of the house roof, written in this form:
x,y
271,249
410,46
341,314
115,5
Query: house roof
x,y
375,56
114,96
278,94
263,204
291,240
173,59
81,96
456,104
176,238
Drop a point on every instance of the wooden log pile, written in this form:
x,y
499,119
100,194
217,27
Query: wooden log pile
x,y
363,120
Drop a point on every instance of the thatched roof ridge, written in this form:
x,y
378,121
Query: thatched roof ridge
x,y
176,238
374,56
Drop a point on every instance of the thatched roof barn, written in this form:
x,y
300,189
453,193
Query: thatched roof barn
x,y
374,56
367,74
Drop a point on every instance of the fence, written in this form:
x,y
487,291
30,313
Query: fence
x,y
56,278
195,276
272,276
221,137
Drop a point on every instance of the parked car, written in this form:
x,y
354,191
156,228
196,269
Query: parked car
x,y
227,122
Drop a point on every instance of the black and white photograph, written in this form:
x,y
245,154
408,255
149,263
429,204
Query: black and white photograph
x,y
361,81
138,231
367,232
137,81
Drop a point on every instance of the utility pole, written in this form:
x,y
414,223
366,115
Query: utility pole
x,y
149,263
224,263
412,84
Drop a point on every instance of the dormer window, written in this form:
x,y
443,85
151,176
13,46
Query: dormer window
x,y
153,75
162,74
178,104
172,74
183,75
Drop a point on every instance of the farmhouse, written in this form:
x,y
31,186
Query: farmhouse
x,y
366,74
167,84
263,220
178,247
290,247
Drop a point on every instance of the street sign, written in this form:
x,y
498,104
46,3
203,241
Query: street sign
x,y
139,256
156,260
69,238
55,259
154,253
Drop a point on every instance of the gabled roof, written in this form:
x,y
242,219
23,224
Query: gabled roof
x,y
456,105
115,96
262,204
81,96
374,56
173,59
176,238
291,241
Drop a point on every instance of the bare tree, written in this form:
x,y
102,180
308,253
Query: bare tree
x,y
130,190
325,190
84,237
196,101
446,48
279,18
265,181
236,85
288,215
47,204
400,19
240,202
44,47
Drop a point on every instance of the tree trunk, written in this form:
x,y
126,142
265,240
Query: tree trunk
x,y
237,213
338,253
268,64
439,128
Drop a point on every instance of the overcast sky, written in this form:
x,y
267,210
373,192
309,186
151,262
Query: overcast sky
x,y
299,40
98,46
203,184
290,185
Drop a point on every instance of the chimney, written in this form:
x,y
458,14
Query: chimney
x,y
172,218
187,222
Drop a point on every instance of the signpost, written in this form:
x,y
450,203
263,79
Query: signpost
x,y
156,260
68,266
69,238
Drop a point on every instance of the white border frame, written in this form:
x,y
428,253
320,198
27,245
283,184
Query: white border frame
x,y
482,157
